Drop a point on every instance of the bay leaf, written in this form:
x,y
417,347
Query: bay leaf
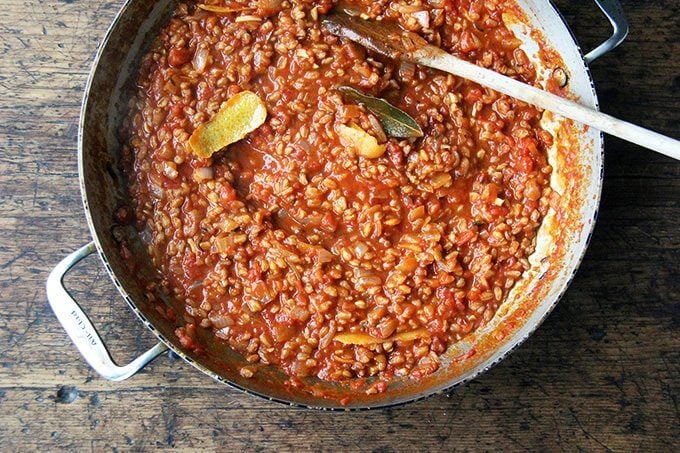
x,y
396,122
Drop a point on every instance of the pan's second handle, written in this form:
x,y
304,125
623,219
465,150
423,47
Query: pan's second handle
x,y
80,329
614,12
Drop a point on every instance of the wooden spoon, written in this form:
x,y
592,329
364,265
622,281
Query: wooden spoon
x,y
394,42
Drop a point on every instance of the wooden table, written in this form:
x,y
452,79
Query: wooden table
x,y
602,373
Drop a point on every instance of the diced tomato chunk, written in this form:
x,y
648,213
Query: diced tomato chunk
x,y
466,237
329,223
179,56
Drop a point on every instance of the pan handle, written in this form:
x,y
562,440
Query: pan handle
x,y
80,329
614,12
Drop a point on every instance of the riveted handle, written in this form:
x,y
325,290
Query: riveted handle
x,y
614,12
80,329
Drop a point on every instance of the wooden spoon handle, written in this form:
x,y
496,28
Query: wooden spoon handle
x,y
436,58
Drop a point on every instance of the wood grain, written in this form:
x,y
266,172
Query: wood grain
x,y
603,372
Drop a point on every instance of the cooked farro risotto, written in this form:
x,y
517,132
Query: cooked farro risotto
x,y
320,208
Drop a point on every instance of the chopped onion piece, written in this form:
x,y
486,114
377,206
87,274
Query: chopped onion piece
x,y
423,18
200,59
324,256
406,71
377,128
203,173
360,250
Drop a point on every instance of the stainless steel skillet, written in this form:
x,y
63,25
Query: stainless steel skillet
x,y
577,163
